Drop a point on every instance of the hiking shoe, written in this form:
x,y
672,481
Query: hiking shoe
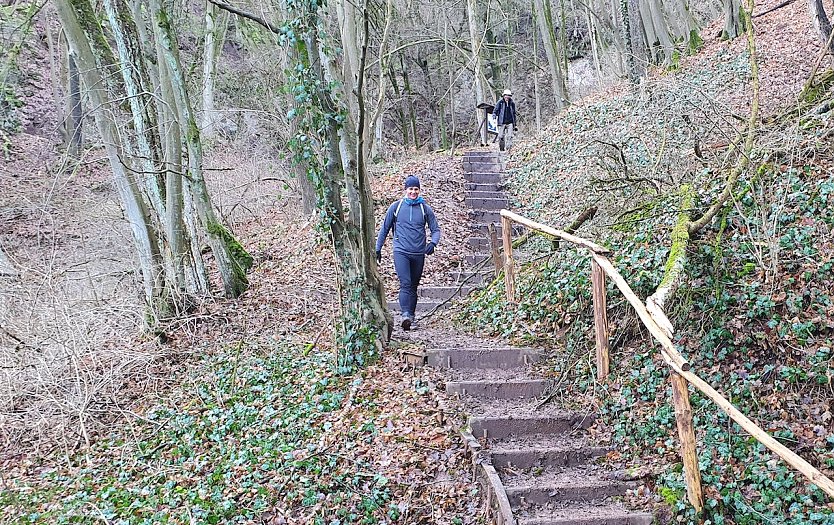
x,y
406,324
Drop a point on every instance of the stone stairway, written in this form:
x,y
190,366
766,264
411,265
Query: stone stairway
x,y
543,457
538,463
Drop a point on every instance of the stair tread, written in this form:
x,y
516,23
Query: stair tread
x,y
488,374
542,442
522,408
575,513
587,475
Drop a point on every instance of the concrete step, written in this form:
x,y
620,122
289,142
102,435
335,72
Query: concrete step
x,y
491,187
499,388
476,258
572,484
597,514
480,244
484,194
485,216
472,278
423,305
485,165
544,451
482,229
497,203
480,177
443,292
458,358
498,427
477,155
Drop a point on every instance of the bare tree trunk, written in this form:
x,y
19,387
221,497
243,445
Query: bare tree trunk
x,y
215,31
536,93
75,109
593,35
232,260
479,87
821,22
129,50
409,98
150,264
732,20
451,82
632,38
352,232
658,41
188,263
683,24
376,147
544,18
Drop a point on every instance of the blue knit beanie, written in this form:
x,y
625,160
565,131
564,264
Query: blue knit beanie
x,y
411,182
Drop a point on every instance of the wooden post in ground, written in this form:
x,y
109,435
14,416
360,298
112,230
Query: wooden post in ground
x,y
509,278
493,248
686,433
600,320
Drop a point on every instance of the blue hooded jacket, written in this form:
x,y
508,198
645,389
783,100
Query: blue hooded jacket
x,y
409,227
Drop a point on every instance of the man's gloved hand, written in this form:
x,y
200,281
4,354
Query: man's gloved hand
x,y
379,257
430,248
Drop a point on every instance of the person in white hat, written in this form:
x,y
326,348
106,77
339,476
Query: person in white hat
x,y
504,113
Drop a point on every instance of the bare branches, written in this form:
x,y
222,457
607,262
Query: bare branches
x,y
253,17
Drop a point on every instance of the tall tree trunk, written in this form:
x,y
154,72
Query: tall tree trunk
x,y
215,31
733,25
83,36
232,260
192,277
544,18
409,98
400,105
821,23
451,90
593,36
632,38
75,112
352,231
479,87
658,41
536,93
683,24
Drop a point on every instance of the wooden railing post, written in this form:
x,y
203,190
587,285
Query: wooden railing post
x,y
509,277
493,249
686,433
600,320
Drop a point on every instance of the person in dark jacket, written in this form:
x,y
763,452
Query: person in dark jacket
x,y
504,113
409,217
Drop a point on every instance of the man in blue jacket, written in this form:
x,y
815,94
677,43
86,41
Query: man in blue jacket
x,y
409,217
504,113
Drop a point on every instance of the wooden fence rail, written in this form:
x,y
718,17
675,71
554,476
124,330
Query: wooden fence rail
x,y
660,327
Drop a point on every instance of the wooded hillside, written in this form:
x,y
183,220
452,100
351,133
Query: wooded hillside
x,y
194,327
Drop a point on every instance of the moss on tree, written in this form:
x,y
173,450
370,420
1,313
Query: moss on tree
x,y
680,237
241,259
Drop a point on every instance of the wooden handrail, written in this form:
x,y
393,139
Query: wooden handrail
x,y
595,248
661,329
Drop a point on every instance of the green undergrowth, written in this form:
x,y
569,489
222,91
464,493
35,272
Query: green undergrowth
x,y
245,440
754,316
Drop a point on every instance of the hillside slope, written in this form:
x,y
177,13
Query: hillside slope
x,y
755,315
